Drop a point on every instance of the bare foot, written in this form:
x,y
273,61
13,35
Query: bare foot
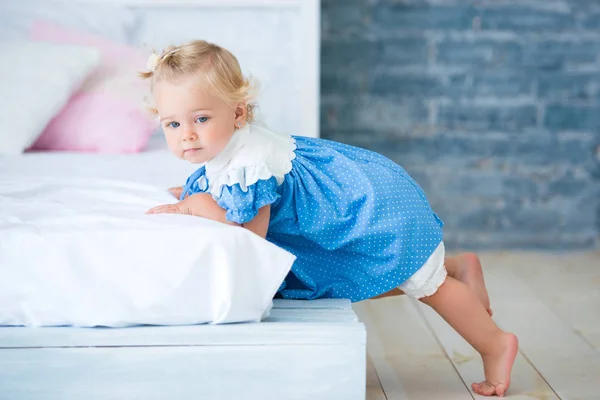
x,y
498,366
468,270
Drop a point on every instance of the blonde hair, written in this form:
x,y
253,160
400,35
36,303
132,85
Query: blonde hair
x,y
219,67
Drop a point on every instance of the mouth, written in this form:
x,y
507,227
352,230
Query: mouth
x,y
192,151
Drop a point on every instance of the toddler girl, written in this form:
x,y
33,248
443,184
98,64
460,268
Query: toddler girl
x,y
358,224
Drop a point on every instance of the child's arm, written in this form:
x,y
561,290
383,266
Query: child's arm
x,y
260,223
203,205
199,205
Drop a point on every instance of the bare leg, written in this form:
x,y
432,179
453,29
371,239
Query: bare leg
x,y
466,268
458,305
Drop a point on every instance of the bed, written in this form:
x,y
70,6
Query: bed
x,y
303,349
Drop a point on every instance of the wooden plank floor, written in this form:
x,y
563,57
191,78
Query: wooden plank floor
x,y
550,301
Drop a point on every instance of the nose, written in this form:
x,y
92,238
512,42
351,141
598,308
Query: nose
x,y
189,134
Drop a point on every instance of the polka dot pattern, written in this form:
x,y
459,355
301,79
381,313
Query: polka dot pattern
x,y
242,205
357,222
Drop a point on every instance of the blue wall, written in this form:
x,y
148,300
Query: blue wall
x,y
492,106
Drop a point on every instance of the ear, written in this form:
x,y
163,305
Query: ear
x,y
241,113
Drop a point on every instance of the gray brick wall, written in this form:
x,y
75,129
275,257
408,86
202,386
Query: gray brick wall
x,y
493,106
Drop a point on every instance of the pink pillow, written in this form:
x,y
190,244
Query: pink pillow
x,y
106,114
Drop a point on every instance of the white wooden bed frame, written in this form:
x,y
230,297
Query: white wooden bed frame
x,y
304,350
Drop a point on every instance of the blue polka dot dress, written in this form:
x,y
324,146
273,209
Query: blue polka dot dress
x,y
358,224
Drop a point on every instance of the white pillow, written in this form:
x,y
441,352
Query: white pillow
x,y
83,253
36,81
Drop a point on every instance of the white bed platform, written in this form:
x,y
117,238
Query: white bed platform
x,y
305,350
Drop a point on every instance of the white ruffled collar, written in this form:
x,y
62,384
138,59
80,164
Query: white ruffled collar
x,y
253,153
221,160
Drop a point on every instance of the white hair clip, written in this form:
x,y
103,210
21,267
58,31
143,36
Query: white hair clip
x,y
155,59
152,62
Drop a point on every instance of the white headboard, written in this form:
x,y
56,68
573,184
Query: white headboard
x,y
276,41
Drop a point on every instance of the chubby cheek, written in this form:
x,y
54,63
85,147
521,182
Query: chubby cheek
x,y
177,152
220,141
174,145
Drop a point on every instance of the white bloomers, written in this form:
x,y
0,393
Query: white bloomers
x,y
429,277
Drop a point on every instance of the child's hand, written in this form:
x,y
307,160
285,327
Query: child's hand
x,y
176,191
191,205
203,205
199,205
176,208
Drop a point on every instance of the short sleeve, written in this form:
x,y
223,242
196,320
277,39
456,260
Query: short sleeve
x,y
243,205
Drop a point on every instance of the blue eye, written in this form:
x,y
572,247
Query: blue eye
x,y
173,124
202,119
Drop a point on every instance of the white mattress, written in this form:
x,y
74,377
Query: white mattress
x,y
155,166
72,226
